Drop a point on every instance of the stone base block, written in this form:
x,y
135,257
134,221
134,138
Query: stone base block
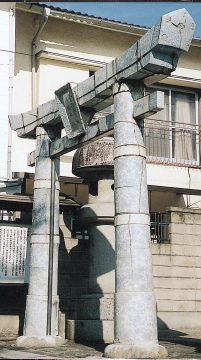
x,y
96,307
90,330
36,315
39,341
127,351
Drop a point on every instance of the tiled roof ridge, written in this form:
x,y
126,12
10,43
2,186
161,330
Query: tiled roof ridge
x,y
56,8
77,13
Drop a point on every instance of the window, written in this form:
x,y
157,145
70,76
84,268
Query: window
x,y
172,134
183,116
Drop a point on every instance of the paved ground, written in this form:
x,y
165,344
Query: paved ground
x,y
180,345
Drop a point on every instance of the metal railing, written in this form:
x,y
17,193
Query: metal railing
x,y
172,142
159,228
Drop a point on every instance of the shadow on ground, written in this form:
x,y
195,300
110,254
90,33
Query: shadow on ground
x,y
180,343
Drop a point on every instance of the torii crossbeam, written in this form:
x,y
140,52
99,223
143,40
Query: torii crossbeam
x,y
121,82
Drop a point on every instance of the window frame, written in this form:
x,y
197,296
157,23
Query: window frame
x,y
171,89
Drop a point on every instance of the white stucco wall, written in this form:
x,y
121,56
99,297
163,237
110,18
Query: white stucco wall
x,y
4,88
92,47
68,54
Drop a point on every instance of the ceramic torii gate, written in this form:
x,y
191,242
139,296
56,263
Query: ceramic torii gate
x,y
121,82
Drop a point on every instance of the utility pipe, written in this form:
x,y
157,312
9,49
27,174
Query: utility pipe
x,y
10,86
46,13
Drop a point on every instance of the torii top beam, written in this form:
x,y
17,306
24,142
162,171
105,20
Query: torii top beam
x,y
157,52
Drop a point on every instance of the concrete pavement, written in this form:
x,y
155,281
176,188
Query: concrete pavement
x,y
180,345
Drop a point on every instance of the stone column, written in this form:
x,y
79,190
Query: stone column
x,y
135,319
94,162
35,327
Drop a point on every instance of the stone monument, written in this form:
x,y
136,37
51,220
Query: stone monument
x,y
123,82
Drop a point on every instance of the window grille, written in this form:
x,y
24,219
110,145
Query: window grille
x,y
159,228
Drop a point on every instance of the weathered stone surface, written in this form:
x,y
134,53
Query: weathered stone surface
x,y
148,105
25,124
35,328
144,351
94,132
40,341
90,160
69,111
135,325
16,121
151,54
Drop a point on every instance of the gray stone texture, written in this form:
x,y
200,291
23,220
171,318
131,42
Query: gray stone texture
x,y
39,341
92,161
127,351
135,325
35,324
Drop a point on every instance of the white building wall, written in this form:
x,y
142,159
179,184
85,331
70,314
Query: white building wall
x,y
47,84
6,59
92,47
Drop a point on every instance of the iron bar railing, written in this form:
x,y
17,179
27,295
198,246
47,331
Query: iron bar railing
x,y
159,228
172,142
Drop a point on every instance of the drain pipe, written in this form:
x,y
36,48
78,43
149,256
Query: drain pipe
x,y
10,86
46,13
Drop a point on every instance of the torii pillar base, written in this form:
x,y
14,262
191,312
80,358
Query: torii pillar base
x,y
127,351
39,341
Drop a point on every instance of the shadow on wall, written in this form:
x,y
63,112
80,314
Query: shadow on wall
x,y
164,332
72,275
81,268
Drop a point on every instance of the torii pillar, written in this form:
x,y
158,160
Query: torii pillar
x,y
135,322
35,332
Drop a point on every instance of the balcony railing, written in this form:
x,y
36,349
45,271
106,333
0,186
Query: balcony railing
x,y
172,142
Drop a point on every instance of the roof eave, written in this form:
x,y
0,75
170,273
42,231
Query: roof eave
x,y
92,21
83,19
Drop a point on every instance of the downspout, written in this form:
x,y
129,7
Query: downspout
x,y
46,13
10,84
